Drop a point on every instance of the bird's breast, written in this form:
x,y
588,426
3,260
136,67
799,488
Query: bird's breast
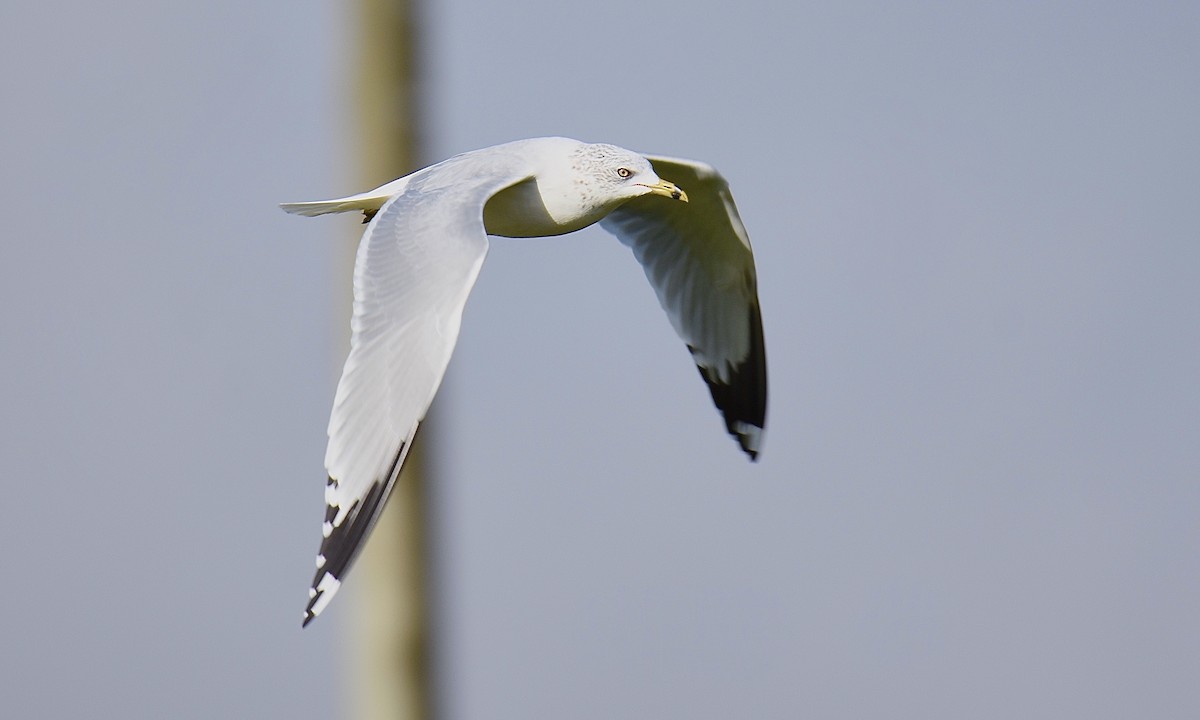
x,y
521,211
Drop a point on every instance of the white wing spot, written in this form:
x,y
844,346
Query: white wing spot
x,y
752,433
326,529
327,587
320,561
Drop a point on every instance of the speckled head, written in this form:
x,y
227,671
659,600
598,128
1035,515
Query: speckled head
x,y
614,172
576,185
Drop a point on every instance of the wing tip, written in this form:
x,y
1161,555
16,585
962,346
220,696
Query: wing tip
x,y
742,401
344,534
742,398
324,587
749,437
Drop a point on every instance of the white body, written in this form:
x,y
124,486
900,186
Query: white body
x,y
423,250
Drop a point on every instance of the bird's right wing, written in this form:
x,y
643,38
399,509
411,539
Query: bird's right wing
x,y
416,265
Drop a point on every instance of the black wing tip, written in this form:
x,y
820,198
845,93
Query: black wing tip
x,y
742,400
748,435
742,395
340,547
749,443
343,542
324,587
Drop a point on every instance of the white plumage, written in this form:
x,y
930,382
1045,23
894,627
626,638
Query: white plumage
x,y
420,256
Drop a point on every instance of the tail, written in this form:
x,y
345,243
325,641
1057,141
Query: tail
x,y
369,202
319,207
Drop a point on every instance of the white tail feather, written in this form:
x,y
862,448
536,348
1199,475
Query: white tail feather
x,y
322,207
370,200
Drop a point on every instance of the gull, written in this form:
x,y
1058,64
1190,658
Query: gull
x,y
425,241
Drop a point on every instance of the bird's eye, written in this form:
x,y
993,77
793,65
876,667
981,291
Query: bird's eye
x,y
624,173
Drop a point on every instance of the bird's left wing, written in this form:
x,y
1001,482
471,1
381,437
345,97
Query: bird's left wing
x,y
698,258
416,265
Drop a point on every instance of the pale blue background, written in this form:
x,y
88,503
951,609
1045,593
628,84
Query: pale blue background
x,y
978,235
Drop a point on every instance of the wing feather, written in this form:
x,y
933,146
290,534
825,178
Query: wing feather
x,y
416,265
698,258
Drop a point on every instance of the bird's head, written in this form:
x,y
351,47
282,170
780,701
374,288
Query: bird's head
x,y
621,174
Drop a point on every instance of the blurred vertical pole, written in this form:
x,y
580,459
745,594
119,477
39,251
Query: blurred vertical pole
x,y
390,667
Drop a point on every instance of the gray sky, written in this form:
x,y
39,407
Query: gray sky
x,y
978,239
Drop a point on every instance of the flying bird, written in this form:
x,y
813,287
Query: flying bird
x,y
418,259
